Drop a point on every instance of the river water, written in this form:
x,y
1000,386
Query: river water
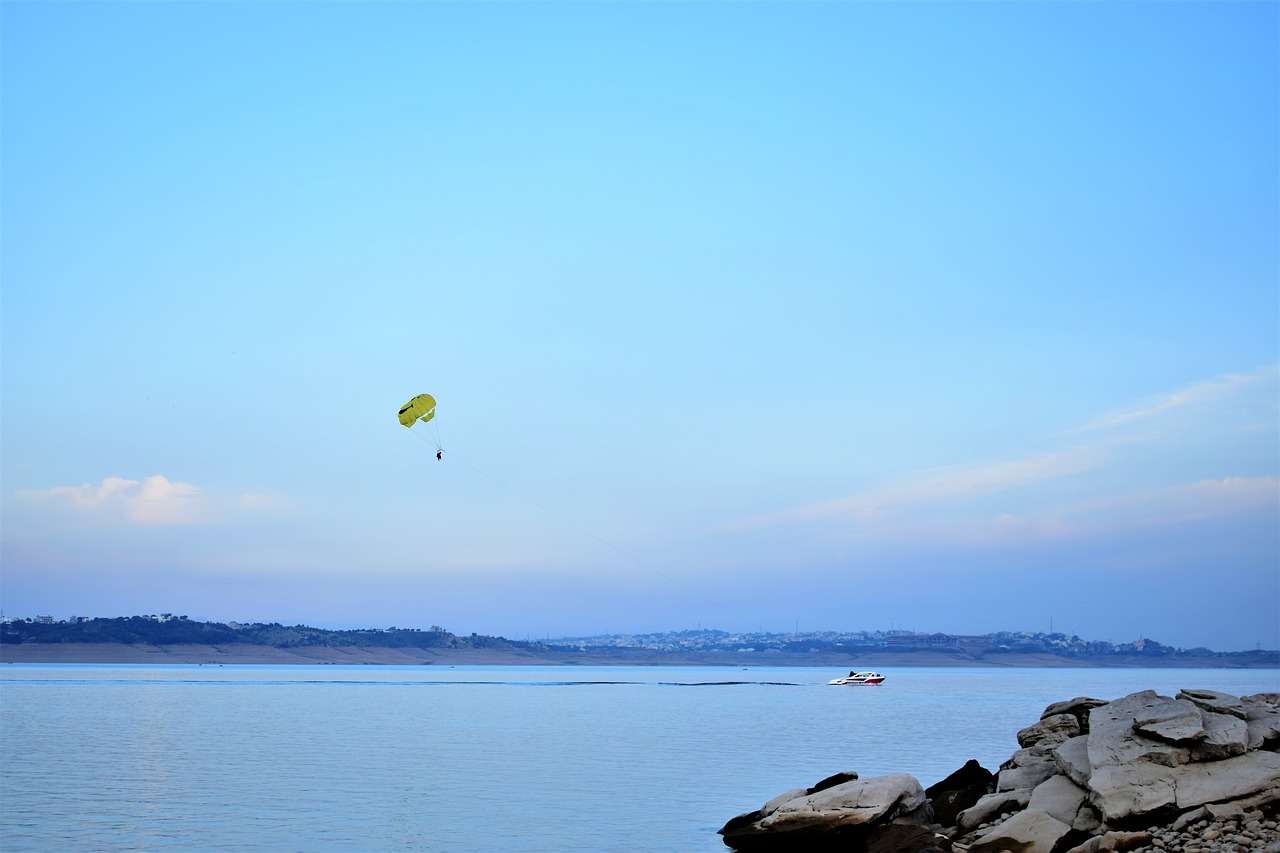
x,y
485,759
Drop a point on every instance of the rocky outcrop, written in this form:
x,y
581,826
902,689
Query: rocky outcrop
x,y
1195,772
959,791
837,816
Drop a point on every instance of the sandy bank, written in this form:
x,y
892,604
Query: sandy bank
x,y
248,654
236,653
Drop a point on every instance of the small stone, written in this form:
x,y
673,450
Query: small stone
x,y
1210,835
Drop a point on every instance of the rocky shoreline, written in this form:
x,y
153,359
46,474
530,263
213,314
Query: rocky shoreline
x,y
1196,773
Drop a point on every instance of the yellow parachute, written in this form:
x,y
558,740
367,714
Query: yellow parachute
x,y
420,408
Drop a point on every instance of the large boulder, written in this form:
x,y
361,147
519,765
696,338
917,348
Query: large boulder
x,y
1253,778
1131,774
990,807
1225,735
785,797
856,803
1121,792
840,813
1030,831
1215,702
1177,722
1112,739
1027,768
1262,713
959,791
1050,731
829,782
1072,759
1079,707
1068,802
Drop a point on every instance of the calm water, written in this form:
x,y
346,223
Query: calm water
x,y
484,759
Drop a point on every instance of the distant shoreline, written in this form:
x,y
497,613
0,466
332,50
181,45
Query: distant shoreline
x,y
244,653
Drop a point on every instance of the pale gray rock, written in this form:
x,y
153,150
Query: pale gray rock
x,y
1029,831
853,803
1066,801
1225,735
1239,778
1072,759
1025,778
1187,818
1113,743
1078,707
1218,703
1224,811
1114,842
1133,774
1179,721
773,805
991,807
1027,768
1050,731
1120,791
1266,698
1123,791
1262,713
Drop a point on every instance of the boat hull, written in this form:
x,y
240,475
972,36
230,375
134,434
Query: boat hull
x,y
855,679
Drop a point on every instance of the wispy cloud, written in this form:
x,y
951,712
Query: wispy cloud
x,y
1207,391
1181,503
1095,446
936,483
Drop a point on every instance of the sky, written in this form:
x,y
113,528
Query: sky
x,y
941,316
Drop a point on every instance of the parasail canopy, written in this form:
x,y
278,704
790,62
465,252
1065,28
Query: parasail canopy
x,y
420,408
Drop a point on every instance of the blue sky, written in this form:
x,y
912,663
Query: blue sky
x,y
946,316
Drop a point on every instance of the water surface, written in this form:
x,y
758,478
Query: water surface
x,y
484,759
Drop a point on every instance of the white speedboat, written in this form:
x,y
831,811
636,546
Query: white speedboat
x,y
867,677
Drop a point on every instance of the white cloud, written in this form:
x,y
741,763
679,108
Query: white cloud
x,y
153,501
